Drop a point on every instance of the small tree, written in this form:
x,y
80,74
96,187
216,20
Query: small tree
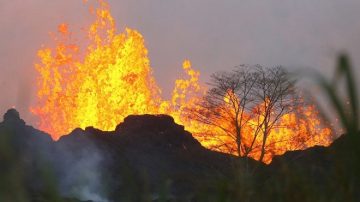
x,y
275,96
244,94
227,102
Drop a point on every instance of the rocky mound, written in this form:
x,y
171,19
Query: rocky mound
x,y
150,156
145,153
154,151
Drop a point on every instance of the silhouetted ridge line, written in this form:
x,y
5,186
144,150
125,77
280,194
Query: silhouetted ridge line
x,y
153,150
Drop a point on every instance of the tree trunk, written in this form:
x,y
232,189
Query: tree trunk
x,y
238,139
263,143
238,147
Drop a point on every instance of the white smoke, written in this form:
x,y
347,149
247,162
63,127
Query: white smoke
x,y
81,176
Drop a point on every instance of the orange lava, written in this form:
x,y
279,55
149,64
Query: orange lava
x,y
109,78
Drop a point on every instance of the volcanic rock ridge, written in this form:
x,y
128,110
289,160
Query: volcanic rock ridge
x,y
154,156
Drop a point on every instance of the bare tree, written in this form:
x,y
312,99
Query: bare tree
x,y
262,95
226,103
274,93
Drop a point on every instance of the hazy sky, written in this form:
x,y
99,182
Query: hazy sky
x,y
213,34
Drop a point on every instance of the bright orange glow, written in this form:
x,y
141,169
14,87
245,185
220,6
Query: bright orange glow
x,y
111,77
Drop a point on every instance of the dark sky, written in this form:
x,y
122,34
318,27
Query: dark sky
x,y
213,34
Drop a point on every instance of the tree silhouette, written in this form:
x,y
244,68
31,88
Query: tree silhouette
x,y
248,93
274,93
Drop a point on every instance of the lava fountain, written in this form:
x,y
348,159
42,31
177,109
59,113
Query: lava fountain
x,y
100,83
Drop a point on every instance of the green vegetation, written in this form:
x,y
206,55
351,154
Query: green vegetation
x,y
347,108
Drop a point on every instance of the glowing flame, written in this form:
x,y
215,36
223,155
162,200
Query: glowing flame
x,y
109,78
111,81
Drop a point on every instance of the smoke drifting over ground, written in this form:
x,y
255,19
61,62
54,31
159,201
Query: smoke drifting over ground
x,y
81,173
142,155
76,167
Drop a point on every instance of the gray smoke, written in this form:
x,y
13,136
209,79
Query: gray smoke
x,y
81,172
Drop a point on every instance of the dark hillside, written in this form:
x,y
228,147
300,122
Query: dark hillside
x,y
150,156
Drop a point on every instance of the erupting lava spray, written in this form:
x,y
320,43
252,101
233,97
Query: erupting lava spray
x,y
111,77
